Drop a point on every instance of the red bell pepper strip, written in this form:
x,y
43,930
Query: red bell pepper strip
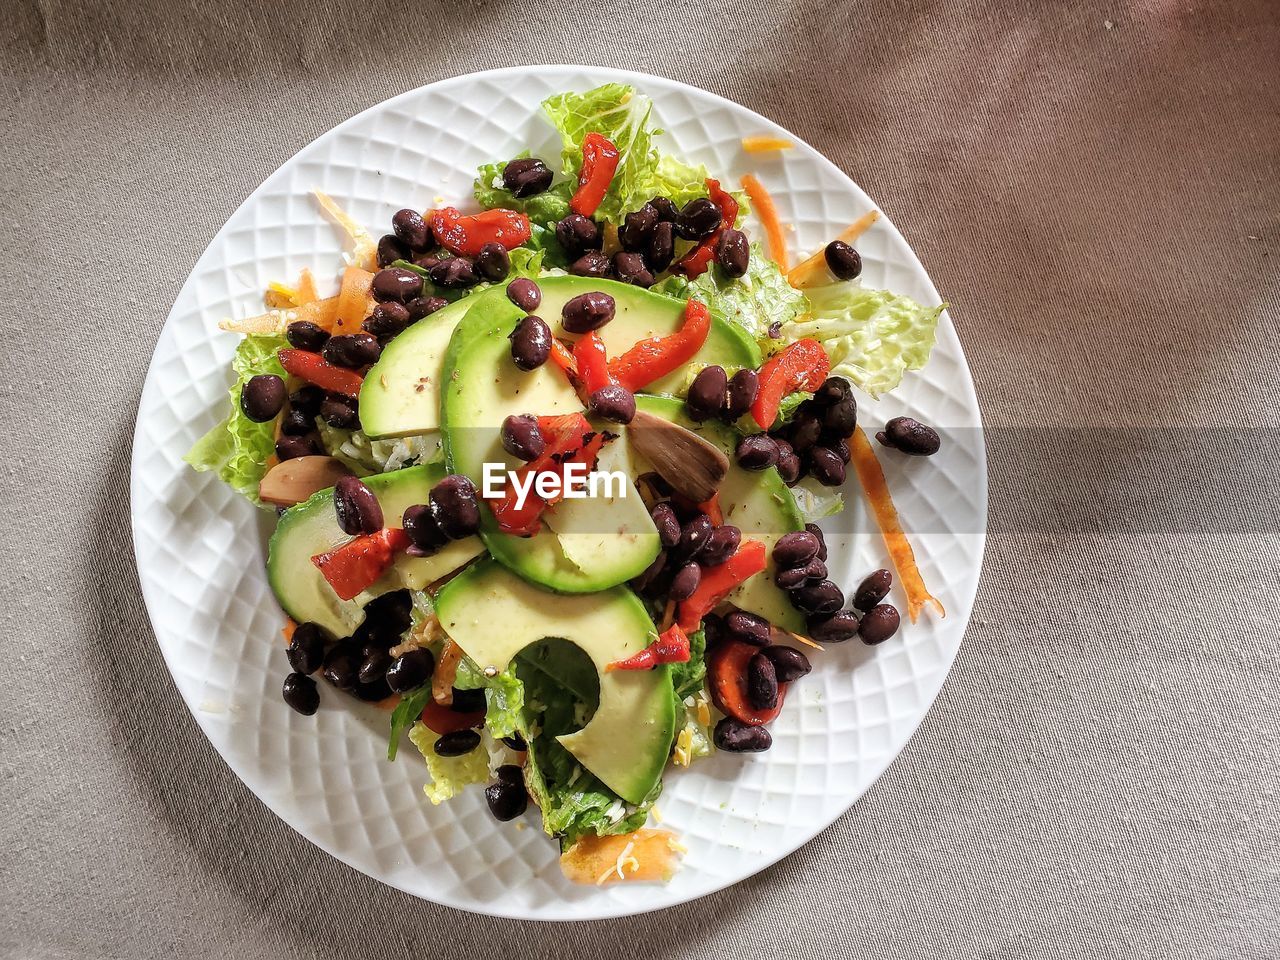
x,y
569,439
727,682
316,369
801,366
670,647
441,719
465,236
599,164
695,262
562,357
592,361
358,563
653,359
716,583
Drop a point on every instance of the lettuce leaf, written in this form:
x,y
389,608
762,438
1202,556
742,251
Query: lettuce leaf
x,y
872,336
541,208
238,448
405,715
448,774
814,501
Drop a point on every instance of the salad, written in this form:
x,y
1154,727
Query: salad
x,y
547,474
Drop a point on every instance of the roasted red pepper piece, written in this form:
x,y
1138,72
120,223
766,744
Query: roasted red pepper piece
x,y
592,362
569,439
441,719
465,236
599,164
316,369
695,262
801,366
653,359
562,357
727,682
716,583
358,563
672,646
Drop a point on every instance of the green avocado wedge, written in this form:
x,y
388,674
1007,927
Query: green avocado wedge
x,y
312,527
493,615
585,544
757,503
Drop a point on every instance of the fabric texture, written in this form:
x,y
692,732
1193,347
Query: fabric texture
x,y
1094,186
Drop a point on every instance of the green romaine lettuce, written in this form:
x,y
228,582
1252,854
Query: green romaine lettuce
x,y
814,501
541,208
448,774
238,448
872,336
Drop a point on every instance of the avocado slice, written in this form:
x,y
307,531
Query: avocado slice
x,y
401,392
606,540
759,504
640,314
312,527
493,615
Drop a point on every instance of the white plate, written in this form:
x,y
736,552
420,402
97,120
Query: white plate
x,y
200,547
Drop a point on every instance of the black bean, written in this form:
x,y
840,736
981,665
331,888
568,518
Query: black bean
x,y
521,437
815,569
396,283
420,307
423,530
693,536
630,268
666,210
352,350
762,682
757,452
295,423
587,312
386,617
263,397
591,264
789,468
734,736
840,418
826,466
699,218
842,260
339,411
741,394
467,701
306,647
841,447
300,692
526,176
637,228
836,628
713,629
515,742
387,318
613,403
507,798
530,343
795,549
649,577
456,273
390,249
707,393
454,506
457,743
524,293
374,668
306,335
341,671
578,234
791,578
733,253
822,597
307,399
910,436
832,391
747,628
427,261
879,623
357,508
412,229
410,670
873,589
662,247
822,539
722,543
493,262
664,518
685,582
803,431
372,692
290,448
789,664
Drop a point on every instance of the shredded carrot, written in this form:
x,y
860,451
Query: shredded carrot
x,y
323,313
364,252
287,632
305,292
354,302
800,638
768,214
712,509
645,854
668,617
445,673
764,143
811,272
278,296
904,559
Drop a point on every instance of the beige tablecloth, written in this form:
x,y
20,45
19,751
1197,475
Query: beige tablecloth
x,y
1095,188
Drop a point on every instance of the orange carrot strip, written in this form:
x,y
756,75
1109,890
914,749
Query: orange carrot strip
x,y
354,302
445,673
644,855
768,214
764,143
305,291
287,631
904,559
812,271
